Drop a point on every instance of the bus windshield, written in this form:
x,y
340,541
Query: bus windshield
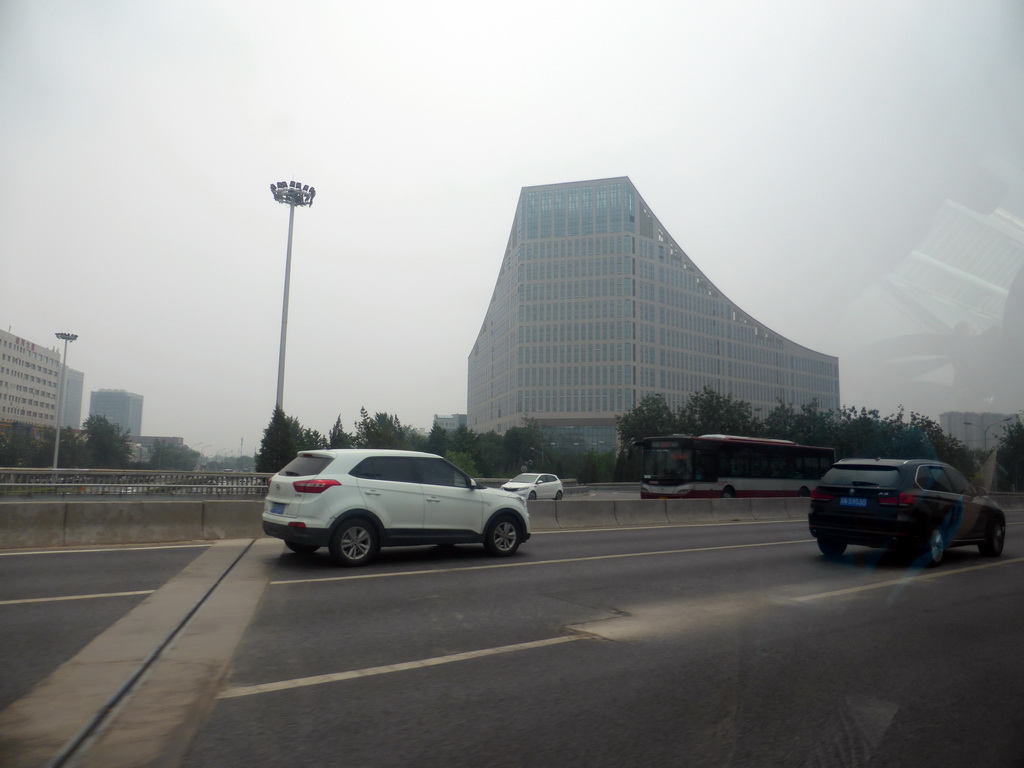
x,y
672,463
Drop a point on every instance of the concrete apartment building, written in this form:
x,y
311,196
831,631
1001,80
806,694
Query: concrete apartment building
x,y
596,306
119,407
29,381
978,431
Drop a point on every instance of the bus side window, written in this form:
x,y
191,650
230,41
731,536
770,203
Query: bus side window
x,y
704,466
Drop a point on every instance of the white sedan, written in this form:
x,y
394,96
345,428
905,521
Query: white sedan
x,y
535,486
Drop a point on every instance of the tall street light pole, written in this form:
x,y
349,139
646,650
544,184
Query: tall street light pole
x,y
65,337
292,194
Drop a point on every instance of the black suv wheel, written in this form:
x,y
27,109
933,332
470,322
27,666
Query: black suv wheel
x,y
995,535
831,548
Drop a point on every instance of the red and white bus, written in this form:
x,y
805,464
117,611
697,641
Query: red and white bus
x,y
726,466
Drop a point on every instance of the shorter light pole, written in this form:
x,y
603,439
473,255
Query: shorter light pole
x,y
984,431
65,337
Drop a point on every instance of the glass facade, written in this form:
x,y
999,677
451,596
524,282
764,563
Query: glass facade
x,y
596,306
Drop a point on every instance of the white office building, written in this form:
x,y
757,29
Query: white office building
x,y
29,382
596,305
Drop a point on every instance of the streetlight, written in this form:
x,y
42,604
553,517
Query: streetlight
x,y
984,431
65,337
291,193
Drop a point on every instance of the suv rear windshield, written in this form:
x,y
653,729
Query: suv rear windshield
x,y
305,464
881,477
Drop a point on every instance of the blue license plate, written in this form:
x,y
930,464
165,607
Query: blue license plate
x,y
852,501
276,508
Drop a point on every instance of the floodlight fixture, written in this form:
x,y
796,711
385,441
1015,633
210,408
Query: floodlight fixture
x,y
292,193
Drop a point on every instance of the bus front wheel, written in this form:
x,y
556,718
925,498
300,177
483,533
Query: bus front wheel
x,y
728,492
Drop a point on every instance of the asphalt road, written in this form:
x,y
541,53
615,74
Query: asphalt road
x,y
709,645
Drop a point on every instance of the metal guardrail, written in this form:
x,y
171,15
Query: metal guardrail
x,y
35,483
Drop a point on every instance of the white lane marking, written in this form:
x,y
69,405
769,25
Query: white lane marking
x,y
250,690
904,580
126,548
542,562
23,601
547,532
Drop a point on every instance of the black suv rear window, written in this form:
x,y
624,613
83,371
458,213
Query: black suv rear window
x,y
304,465
879,477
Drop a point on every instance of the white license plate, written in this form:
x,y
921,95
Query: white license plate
x,y
276,508
852,501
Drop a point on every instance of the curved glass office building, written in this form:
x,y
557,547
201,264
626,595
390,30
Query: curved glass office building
x,y
597,306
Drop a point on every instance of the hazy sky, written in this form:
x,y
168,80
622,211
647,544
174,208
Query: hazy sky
x,y
796,150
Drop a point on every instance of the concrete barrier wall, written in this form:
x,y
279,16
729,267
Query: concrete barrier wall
x,y
232,519
637,512
584,514
132,523
25,524
36,524
1010,502
57,523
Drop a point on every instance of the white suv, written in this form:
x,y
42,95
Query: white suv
x,y
356,501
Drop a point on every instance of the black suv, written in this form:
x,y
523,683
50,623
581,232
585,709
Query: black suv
x,y
915,505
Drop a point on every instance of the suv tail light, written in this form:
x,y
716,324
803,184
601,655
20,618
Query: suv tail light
x,y
902,499
316,485
819,495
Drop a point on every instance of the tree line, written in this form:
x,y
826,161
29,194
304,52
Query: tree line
x,y
100,444
851,431
485,454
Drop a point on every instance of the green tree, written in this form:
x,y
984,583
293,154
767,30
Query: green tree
x,y
382,431
414,439
338,437
437,440
710,412
1010,455
73,453
308,439
167,455
809,426
463,440
648,418
109,446
523,445
946,447
16,447
859,433
490,455
463,461
279,444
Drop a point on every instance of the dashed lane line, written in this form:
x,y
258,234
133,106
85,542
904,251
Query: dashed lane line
x,y
251,690
532,563
905,580
126,548
25,601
